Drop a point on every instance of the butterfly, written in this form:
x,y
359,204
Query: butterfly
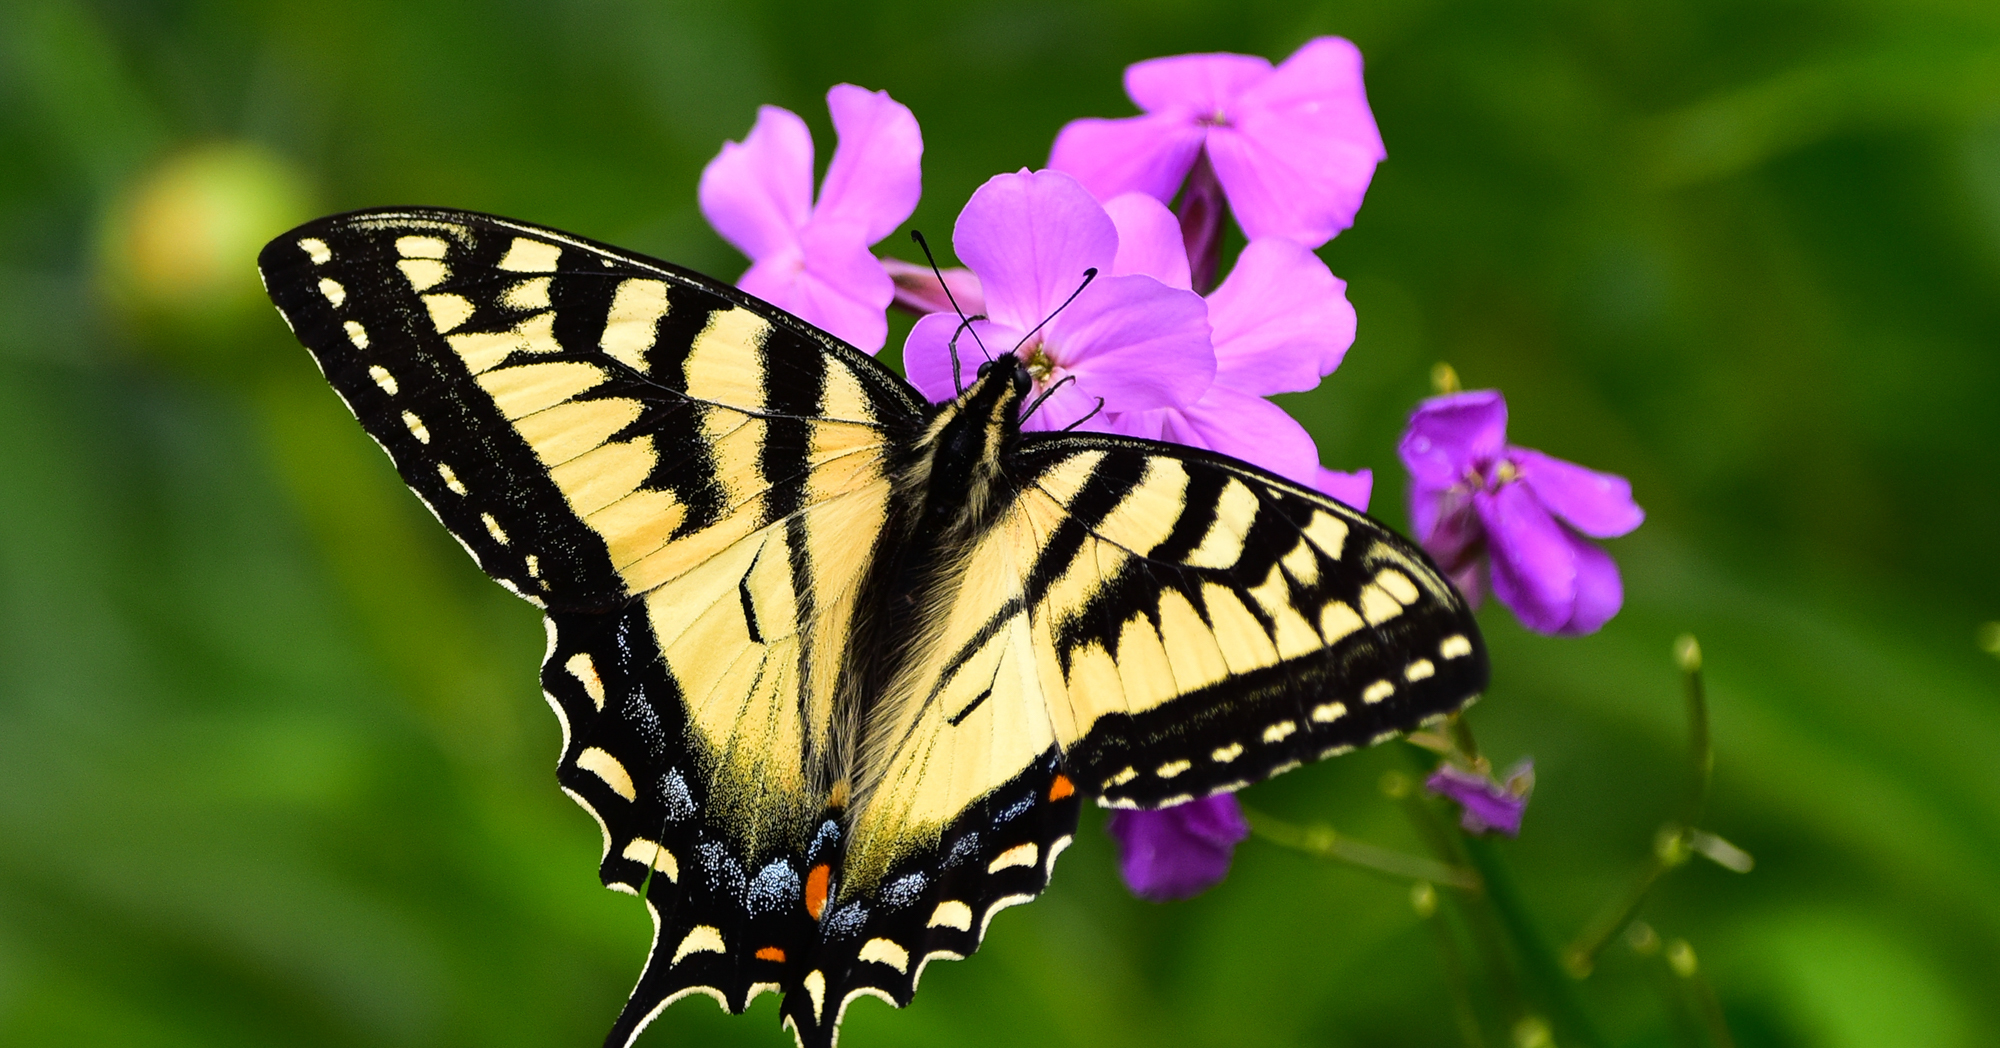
x,y
835,666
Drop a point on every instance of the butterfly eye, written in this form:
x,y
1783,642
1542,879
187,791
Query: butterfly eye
x,y
1022,381
984,368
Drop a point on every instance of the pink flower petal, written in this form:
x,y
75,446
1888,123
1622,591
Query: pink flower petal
x,y
1302,148
1140,154
1350,488
1177,852
1599,590
1487,805
832,282
1135,342
758,193
1145,424
918,290
1249,428
1450,436
876,174
1534,562
1446,526
1597,504
1030,236
1281,320
1149,240
927,353
1199,85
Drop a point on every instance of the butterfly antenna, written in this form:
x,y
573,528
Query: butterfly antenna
x,y
964,326
1088,276
1086,418
964,322
1050,392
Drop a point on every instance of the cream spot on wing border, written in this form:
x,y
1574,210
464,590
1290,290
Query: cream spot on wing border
x,y
1018,855
885,951
951,913
1329,712
702,938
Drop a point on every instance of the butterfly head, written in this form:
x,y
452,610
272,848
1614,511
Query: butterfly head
x,y
993,401
1009,366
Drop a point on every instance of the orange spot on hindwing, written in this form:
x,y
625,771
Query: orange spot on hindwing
x,y
1061,788
816,883
771,953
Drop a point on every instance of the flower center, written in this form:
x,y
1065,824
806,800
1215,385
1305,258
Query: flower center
x,y
1038,362
1215,119
1498,475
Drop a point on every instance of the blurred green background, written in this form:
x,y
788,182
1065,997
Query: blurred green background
x,y
273,765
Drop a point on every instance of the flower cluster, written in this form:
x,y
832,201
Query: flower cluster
x,y
1113,302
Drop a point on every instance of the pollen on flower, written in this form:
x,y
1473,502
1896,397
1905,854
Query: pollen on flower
x,y
1040,366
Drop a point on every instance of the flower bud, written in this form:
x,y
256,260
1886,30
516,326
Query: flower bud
x,y
178,253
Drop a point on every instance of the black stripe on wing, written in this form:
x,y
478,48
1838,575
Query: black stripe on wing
x,y
1351,633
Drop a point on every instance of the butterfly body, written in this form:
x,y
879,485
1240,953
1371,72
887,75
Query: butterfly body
x,y
835,667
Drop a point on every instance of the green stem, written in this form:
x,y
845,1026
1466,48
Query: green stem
x,y
1581,957
1457,981
1701,751
1538,962
1321,840
1487,934
1671,845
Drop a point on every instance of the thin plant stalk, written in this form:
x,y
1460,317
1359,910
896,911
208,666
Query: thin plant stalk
x,y
1457,979
1671,845
1487,935
1325,842
1538,961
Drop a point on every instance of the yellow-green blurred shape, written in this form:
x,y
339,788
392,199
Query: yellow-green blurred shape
x,y
1852,983
1989,638
179,249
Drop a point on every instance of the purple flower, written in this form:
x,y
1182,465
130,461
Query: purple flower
x,y
1294,147
1279,323
1487,804
1476,499
810,258
1131,340
1180,851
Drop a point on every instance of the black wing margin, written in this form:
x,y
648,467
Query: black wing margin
x,y
1217,624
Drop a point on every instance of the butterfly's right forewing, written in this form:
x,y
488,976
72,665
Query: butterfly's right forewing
x,y
1206,625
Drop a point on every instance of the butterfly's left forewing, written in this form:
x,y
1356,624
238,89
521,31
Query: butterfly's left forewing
x,y
692,484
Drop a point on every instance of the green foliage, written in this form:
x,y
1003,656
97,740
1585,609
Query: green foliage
x,y
273,768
